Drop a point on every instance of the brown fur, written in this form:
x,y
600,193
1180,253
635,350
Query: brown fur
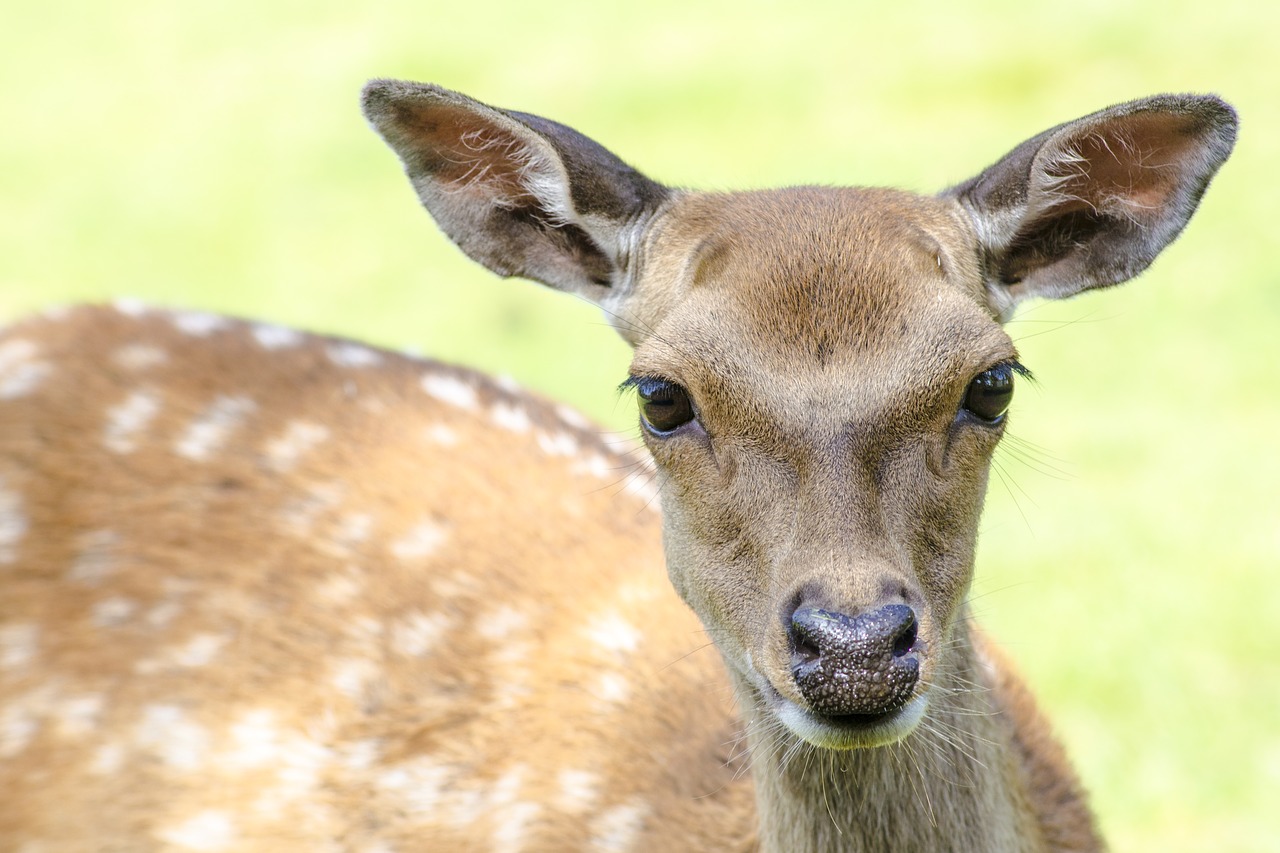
x,y
413,751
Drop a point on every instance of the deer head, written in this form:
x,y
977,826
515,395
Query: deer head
x,y
822,373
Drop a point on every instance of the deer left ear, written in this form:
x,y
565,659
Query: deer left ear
x,y
1091,203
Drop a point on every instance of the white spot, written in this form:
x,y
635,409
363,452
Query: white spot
x,y
611,632
459,584
560,444
612,688
509,694
23,379
139,356
162,614
340,589
442,435
257,740
512,825
595,465
578,792
365,631
13,523
18,645
615,830
507,786
175,740
361,754
79,715
210,430
17,729
354,528
509,417
112,612
276,337
96,558
514,815
19,373
199,323
347,354
16,352
209,830
127,419
418,784
501,623
508,383
510,655
450,390
131,306
299,762
574,418
108,759
200,650
415,635
420,542
354,677
299,437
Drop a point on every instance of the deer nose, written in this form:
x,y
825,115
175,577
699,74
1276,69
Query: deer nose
x,y
845,665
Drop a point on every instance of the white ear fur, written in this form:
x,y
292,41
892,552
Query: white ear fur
x,y
534,166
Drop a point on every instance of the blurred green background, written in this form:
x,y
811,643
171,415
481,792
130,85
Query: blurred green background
x,y
213,155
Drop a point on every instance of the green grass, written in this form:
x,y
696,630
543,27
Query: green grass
x,y
214,156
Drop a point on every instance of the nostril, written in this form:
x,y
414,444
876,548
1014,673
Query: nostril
x,y
906,639
805,632
803,650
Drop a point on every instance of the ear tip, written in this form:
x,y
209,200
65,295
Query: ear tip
x,y
1213,110
1221,122
379,96
1224,117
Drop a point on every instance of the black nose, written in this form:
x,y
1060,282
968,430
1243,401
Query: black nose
x,y
861,664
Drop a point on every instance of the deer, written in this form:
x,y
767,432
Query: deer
x,y
270,590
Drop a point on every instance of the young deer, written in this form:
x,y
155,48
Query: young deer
x,y
269,591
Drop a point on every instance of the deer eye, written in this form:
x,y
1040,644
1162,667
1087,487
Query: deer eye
x,y
664,406
990,393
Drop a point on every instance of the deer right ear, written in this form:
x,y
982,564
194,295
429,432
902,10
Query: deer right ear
x,y
522,195
1091,203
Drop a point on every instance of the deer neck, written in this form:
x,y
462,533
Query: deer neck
x,y
948,786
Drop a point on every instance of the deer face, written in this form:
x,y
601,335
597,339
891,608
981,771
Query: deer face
x,y
805,389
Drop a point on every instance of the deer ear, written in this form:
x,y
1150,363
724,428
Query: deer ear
x,y
1091,203
522,195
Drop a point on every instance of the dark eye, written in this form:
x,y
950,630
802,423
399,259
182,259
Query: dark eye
x,y
990,393
664,405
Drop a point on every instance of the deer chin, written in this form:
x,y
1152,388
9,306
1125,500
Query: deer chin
x,y
851,731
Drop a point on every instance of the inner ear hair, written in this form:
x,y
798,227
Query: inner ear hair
x,y
1092,202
